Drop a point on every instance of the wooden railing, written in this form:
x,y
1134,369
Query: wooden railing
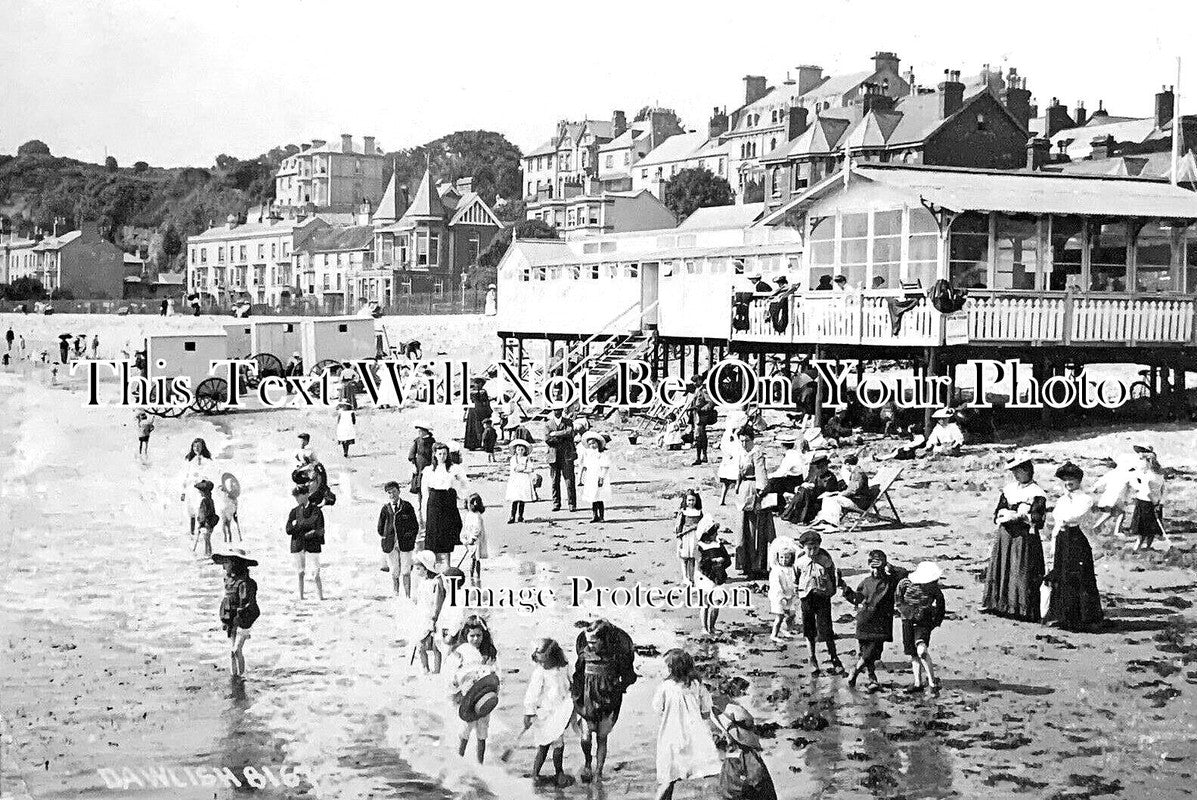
x,y
988,317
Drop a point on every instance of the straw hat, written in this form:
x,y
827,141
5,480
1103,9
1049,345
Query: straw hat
x,y
1144,448
1019,461
234,554
422,425
426,559
944,413
739,724
819,456
592,436
480,699
520,443
926,572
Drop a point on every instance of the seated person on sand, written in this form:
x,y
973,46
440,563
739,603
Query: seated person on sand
x,y
947,438
674,435
794,467
838,432
857,494
820,480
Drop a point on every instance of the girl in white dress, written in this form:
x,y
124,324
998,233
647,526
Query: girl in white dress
x,y
519,483
346,427
729,454
549,710
685,747
473,536
595,476
198,468
690,523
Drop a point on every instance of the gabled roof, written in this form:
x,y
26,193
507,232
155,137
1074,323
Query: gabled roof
x,y
427,202
627,138
391,206
740,215
469,201
873,130
339,240
676,148
821,138
1012,192
56,242
1078,142
546,149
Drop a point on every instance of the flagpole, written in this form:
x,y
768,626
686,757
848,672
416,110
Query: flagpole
x,y
1176,127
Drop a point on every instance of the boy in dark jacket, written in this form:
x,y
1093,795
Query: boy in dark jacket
x,y
207,517
239,607
490,438
305,526
420,456
397,529
921,603
874,600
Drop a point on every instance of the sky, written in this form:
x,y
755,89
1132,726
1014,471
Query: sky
x,y
176,83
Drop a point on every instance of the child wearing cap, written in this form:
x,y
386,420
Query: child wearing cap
x,y
817,583
874,600
239,606
921,603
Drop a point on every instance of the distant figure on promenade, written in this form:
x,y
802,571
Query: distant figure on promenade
x,y
239,606
163,307
492,301
560,437
95,347
8,338
64,347
145,426
1016,567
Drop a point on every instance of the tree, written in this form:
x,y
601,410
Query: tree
x,y
486,269
141,167
695,188
486,156
26,288
172,244
34,147
110,164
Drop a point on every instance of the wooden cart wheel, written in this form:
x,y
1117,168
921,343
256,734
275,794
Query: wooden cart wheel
x,y
265,365
167,412
210,394
330,365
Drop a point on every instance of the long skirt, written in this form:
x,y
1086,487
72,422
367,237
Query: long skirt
x,y
443,531
1015,573
752,556
473,427
1075,603
1145,521
803,506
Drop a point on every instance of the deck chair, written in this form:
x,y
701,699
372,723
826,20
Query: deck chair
x,y
885,479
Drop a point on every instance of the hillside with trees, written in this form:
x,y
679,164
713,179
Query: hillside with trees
x,y
158,207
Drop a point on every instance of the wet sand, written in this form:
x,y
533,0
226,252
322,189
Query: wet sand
x,y
114,656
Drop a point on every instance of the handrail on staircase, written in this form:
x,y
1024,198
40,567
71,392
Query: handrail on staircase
x,y
580,346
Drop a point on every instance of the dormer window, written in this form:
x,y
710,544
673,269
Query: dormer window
x,y
981,124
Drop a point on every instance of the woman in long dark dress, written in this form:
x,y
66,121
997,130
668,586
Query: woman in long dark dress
x,y
442,483
1016,568
1074,604
480,409
756,524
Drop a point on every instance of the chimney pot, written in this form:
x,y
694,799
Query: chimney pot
x,y
346,143
1164,107
755,87
368,145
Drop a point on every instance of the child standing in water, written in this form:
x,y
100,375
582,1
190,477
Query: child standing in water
x,y
713,561
473,536
239,607
549,710
207,519
475,683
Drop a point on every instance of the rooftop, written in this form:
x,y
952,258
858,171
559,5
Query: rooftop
x,y
734,216
339,240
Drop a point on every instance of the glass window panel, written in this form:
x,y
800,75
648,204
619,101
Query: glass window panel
x,y
1108,243
887,250
1153,259
924,247
824,229
822,254
922,221
855,225
968,252
887,223
854,251
1016,261
922,271
1067,243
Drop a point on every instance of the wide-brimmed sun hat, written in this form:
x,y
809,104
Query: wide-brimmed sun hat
x,y
739,725
926,572
1070,470
426,559
819,456
520,443
944,413
480,699
1020,461
1144,448
592,436
234,554
422,425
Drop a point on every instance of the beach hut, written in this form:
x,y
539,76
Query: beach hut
x,y
188,355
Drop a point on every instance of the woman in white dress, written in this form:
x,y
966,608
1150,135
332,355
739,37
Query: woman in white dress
x,y
685,747
595,475
519,483
198,467
730,452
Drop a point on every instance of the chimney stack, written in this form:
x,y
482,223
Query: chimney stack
x,y
1038,151
755,88
346,143
885,61
619,123
1017,99
796,122
1057,118
875,98
1164,101
951,94
908,76
718,124
1081,115
809,77
1103,147
368,145
463,185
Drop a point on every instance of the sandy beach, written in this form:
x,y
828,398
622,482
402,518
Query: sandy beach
x,y
114,659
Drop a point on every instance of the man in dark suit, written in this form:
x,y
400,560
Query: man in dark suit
x,y
560,437
397,528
